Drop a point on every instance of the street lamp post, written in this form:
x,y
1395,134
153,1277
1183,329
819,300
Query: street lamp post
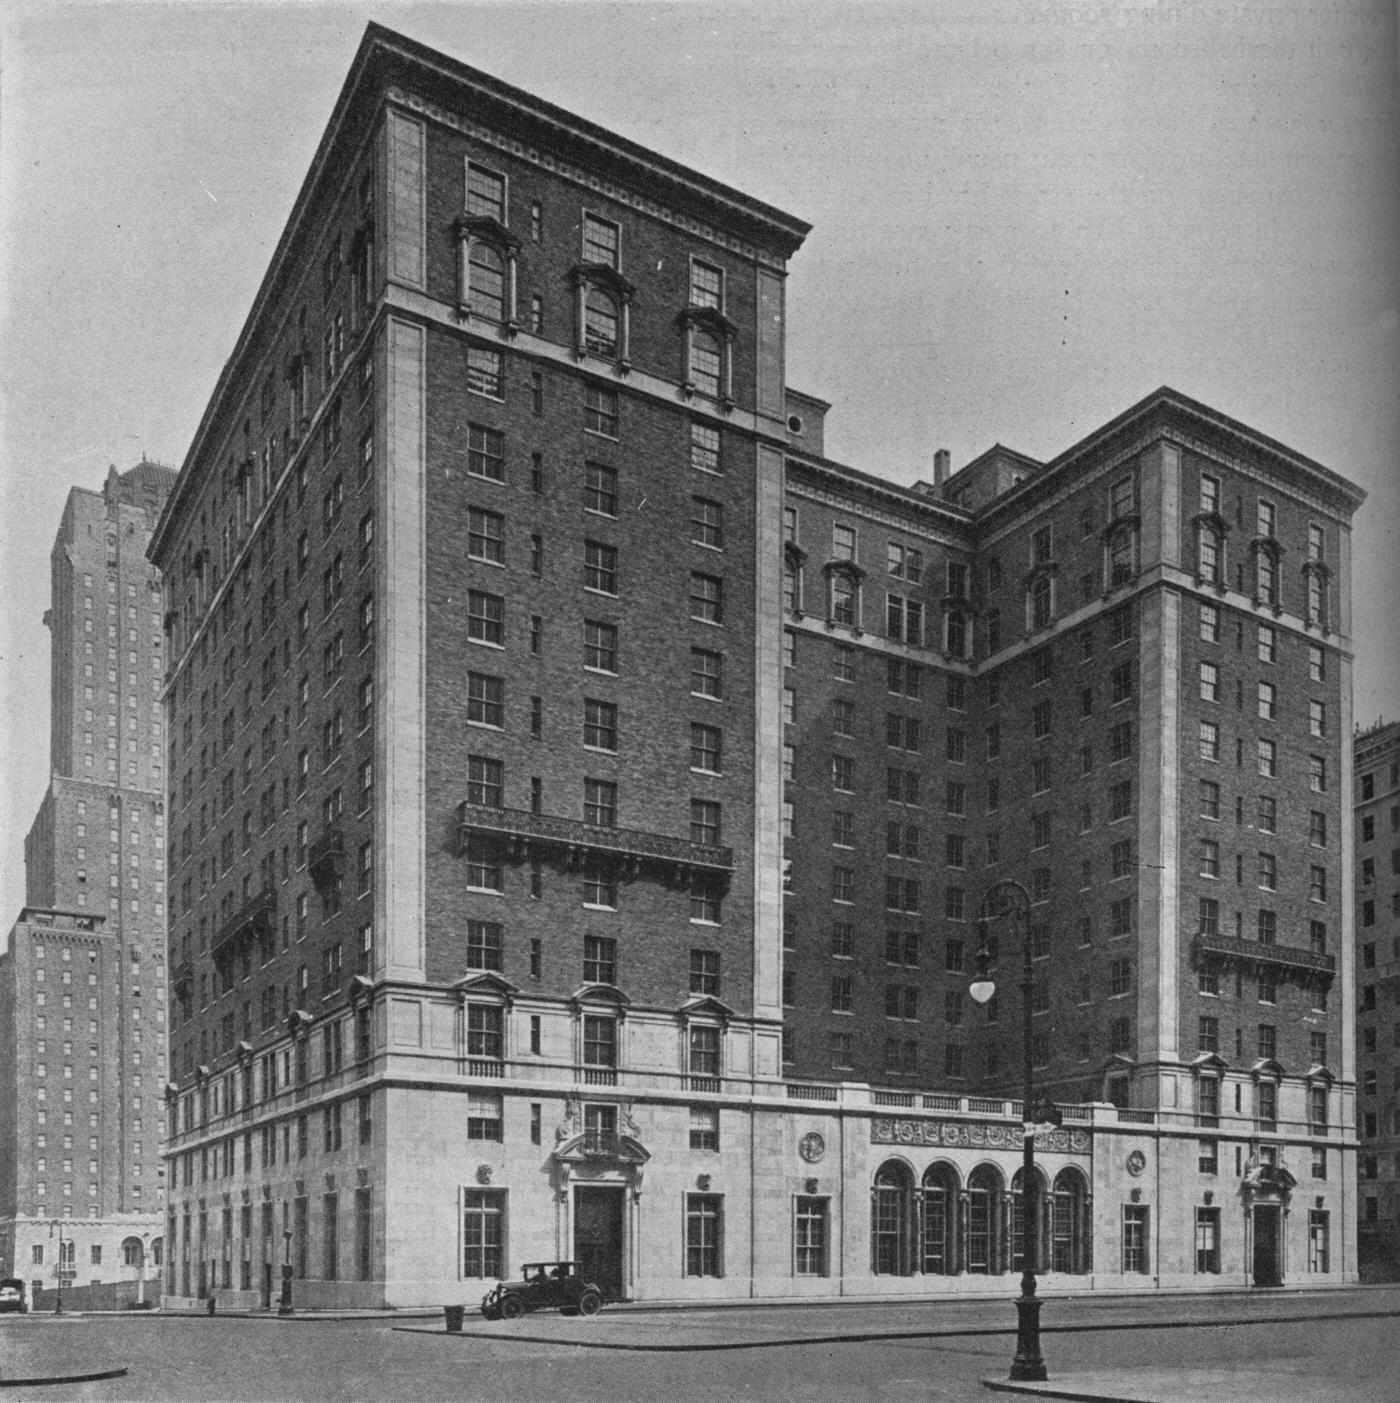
x,y
284,1306
141,1272
1009,898
58,1271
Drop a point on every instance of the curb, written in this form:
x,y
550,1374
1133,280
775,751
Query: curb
x,y
877,1336
1006,1386
64,1378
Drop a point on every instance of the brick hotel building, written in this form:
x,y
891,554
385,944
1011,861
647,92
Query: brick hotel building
x,y
581,789
82,984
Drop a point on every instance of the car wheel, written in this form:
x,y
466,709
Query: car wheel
x,y
490,1312
590,1303
512,1308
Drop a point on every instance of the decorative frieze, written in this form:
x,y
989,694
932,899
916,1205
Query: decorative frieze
x,y
977,1135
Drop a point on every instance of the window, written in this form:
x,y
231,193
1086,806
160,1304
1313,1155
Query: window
x,y
600,411
1317,884
810,1236
599,725
600,803
1210,799
600,489
705,748
1210,682
706,285
600,567
1317,718
599,959
706,598
485,781
1209,628
705,673
484,867
706,363
601,242
1319,1239
484,945
1209,740
600,323
705,453
486,618
1317,774
486,372
704,1232
1268,758
704,1127
904,620
485,1038
705,822
485,700
1120,683
707,523
1208,1236
599,646
1135,1239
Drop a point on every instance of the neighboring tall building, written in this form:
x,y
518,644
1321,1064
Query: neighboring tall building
x,y
88,1072
1377,799
496,737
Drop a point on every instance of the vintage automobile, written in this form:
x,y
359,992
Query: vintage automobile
x,y
543,1285
12,1295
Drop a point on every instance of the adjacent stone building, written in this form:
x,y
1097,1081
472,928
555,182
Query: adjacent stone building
x,y
581,790
1377,799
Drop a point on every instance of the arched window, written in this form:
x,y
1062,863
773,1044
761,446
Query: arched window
x,y
600,323
1316,575
1069,1223
1018,1221
1121,553
1042,601
486,286
984,1199
890,1217
939,1256
706,363
132,1255
1266,575
1211,528
956,626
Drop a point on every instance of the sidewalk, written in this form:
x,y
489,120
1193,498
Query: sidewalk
x,y
1261,1383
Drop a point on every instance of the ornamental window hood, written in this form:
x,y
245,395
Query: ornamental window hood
x,y
603,314
486,271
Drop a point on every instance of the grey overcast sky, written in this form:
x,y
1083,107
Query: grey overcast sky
x,y
1027,215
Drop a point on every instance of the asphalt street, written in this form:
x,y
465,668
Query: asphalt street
x,y
1341,1346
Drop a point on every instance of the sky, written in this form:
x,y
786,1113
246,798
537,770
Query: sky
x,y
1028,214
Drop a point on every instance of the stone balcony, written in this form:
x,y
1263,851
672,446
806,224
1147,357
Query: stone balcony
x,y
523,833
252,919
1265,956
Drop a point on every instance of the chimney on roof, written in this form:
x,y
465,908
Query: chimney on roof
x,y
941,459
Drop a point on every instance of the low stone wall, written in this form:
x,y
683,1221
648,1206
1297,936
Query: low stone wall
x,y
111,1295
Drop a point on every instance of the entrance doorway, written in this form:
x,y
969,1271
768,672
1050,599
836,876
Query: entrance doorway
x,y
598,1238
1268,1259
